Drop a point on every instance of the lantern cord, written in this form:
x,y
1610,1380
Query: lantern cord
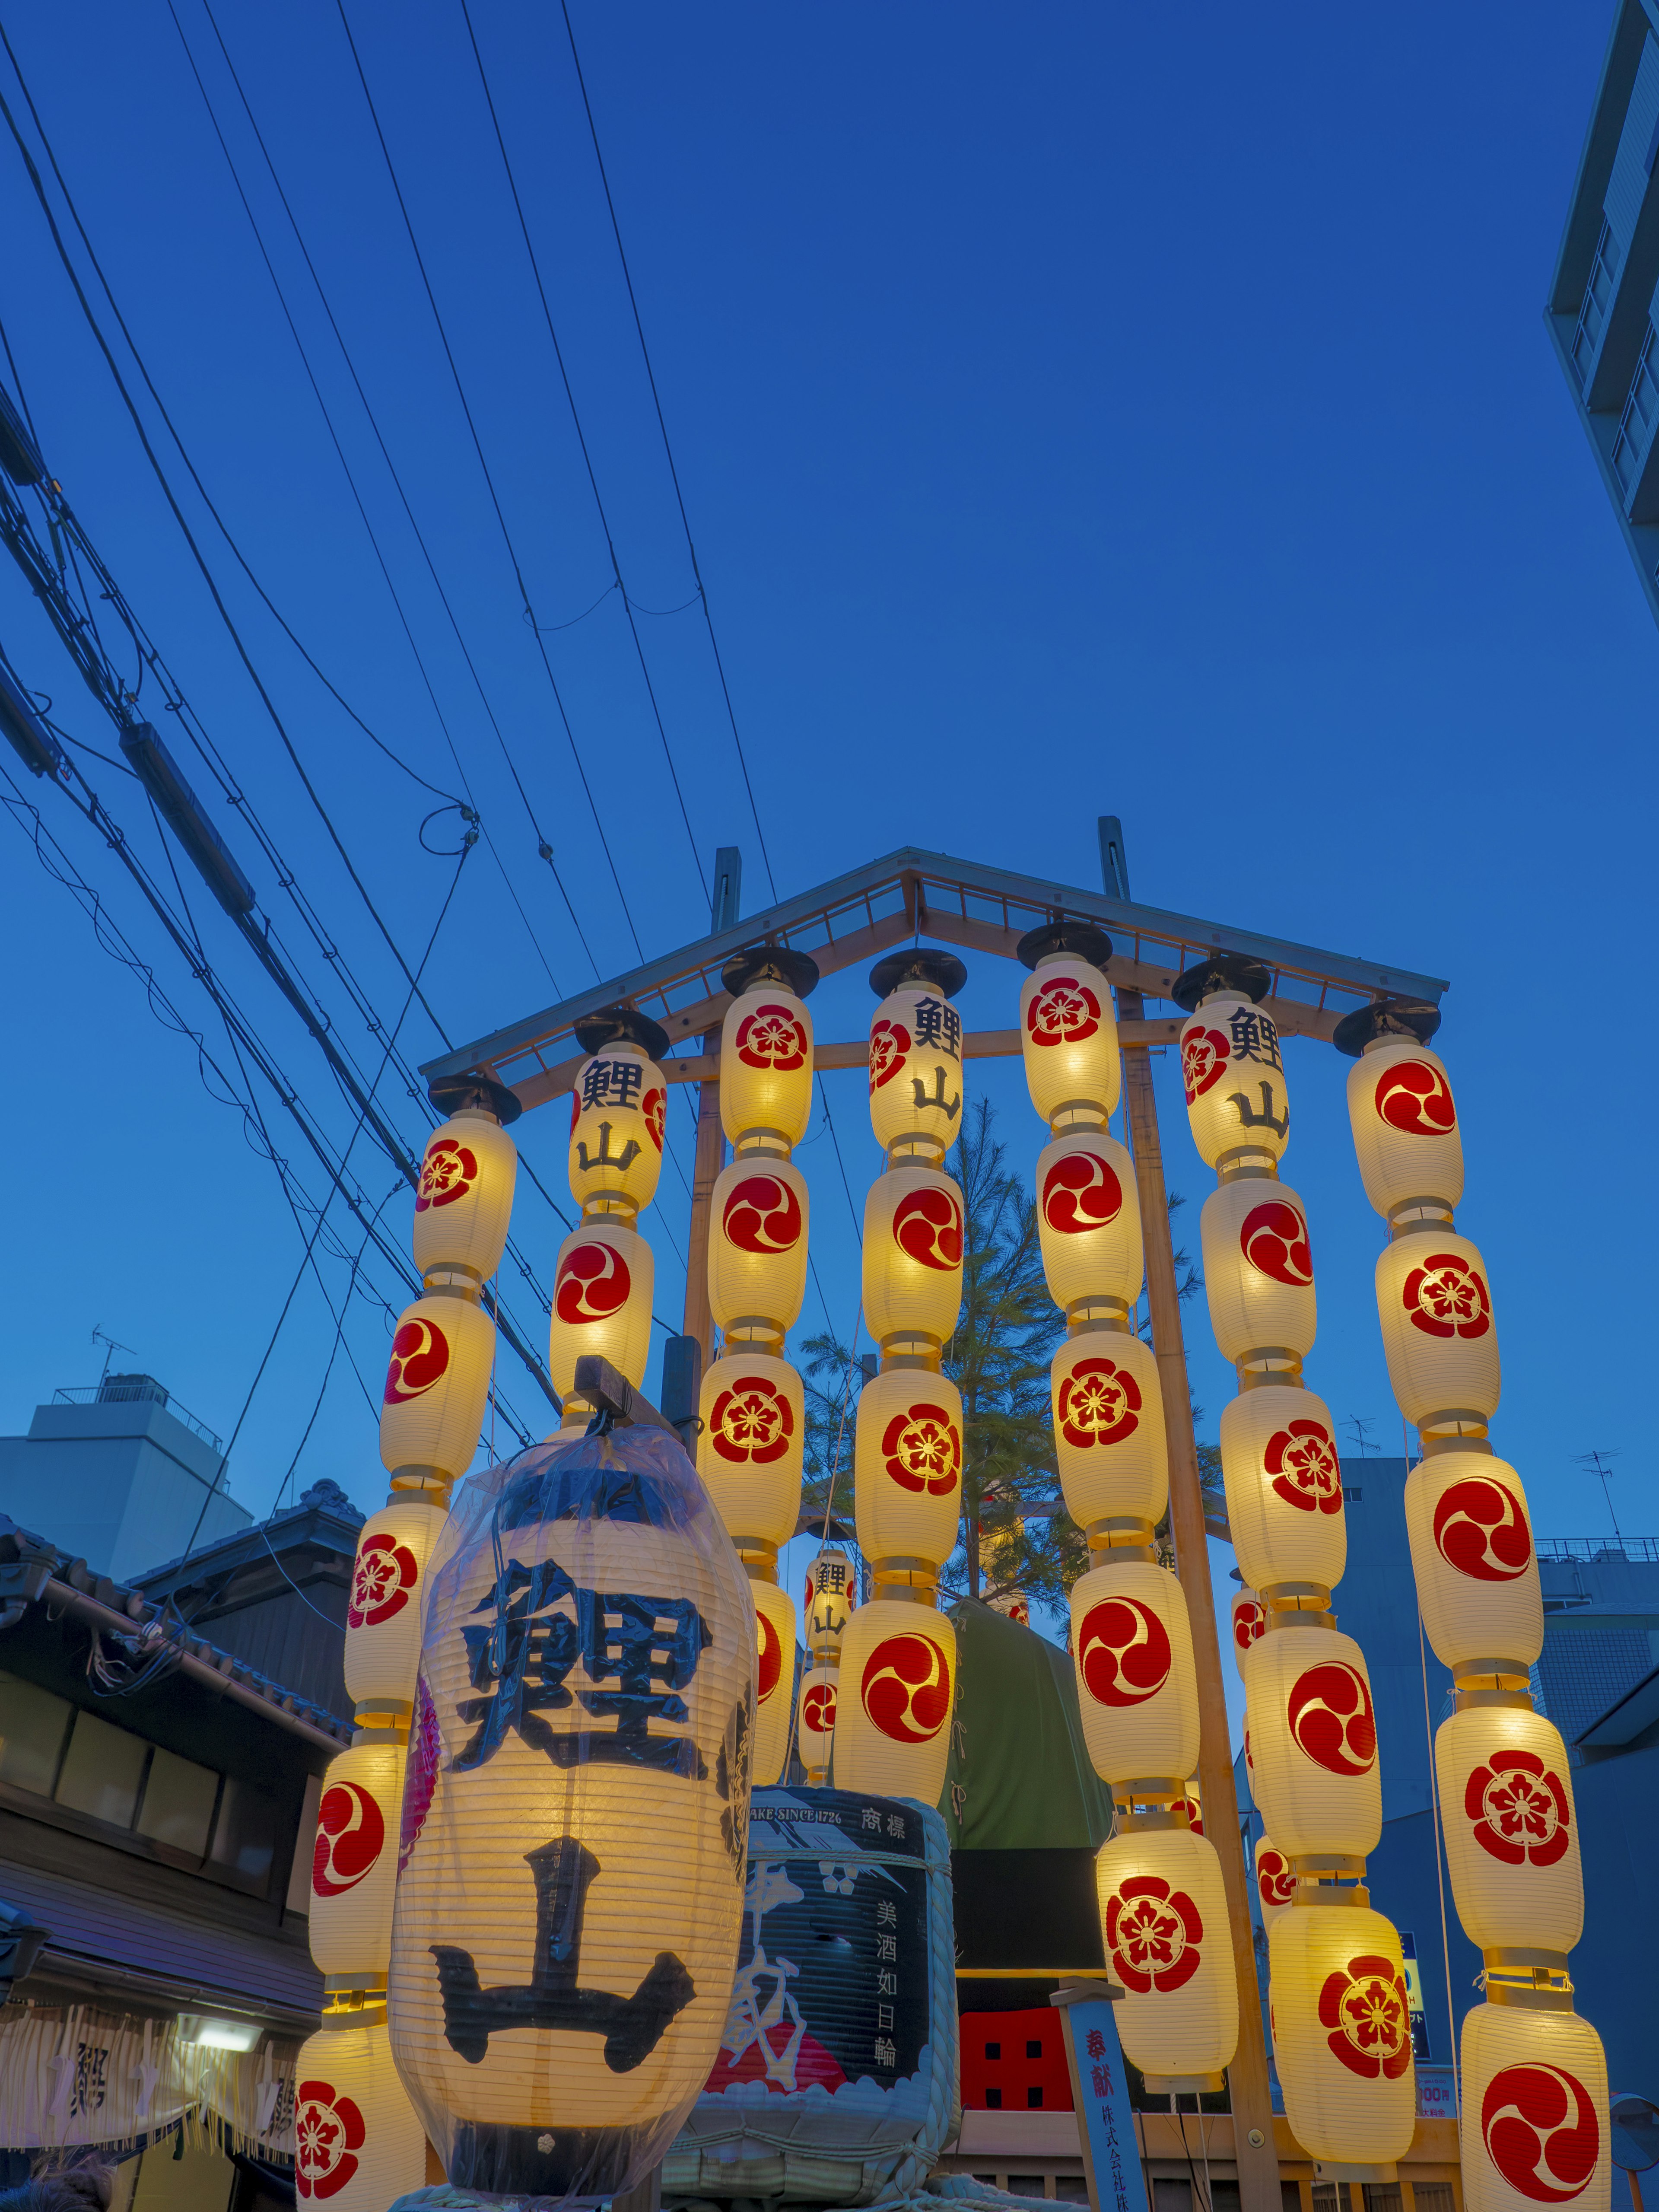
x,y
1439,1873
1203,2196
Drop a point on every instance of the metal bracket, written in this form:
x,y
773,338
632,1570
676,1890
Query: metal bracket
x,y
598,1382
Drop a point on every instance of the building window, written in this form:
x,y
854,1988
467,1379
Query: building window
x,y
180,1798
1636,424
34,1725
103,1771
1598,298
1351,1493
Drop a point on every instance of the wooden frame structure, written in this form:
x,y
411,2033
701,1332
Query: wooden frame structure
x,y
912,894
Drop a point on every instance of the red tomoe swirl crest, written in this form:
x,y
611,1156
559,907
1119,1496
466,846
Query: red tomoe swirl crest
x,y
1153,1932
1275,1878
1538,2126
1064,1012
922,1450
592,1284
383,1579
1519,1810
1413,1097
1365,2009
1274,1239
420,1357
1302,1462
1250,1623
1446,1296
751,1422
889,1043
1099,1403
768,1657
1122,1652
328,2133
907,1688
1481,1529
448,1172
772,1038
927,1226
762,1214
1330,1716
654,1106
817,1707
351,1837
1204,1056
1081,1191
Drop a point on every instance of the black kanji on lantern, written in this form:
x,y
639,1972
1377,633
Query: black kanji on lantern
x,y
612,1082
939,1025
1254,1036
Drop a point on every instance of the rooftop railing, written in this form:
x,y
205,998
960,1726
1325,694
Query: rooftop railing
x,y
118,1393
1642,1548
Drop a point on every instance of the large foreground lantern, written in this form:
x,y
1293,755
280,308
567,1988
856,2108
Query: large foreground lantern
x,y
1342,2032
1535,2126
1164,1923
898,1673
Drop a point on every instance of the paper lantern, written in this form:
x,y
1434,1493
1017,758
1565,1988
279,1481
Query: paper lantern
x,y
1249,1617
573,1832
437,1385
1191,1807
1438,1334
758,1229
1278,1458
1342,2034
815,1734
358,2141
898,1671
1472,1553
354,1867
832,1594
1511,1831
1313,1744
915,1068
766,1065
1132,1643
774,1680
1089,1220
1109,1440
912,1255
1234,1077
1275,1880
619,1112
1406,1134
388,1592
749,1452
464,1198
1068,1034
602,1292
1163,1922
1535,2126
1258,1268
907,1462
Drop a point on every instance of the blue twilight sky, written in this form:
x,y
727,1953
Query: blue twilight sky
x,y
1077,409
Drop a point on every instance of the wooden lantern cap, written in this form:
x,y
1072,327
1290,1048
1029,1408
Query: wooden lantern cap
x,y
1220,971
621,1025
1412,1017
453,1094
770,963
919,964
1081,938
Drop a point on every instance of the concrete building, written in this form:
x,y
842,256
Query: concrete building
x,y
119,1474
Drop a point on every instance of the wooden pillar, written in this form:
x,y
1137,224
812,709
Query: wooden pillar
x,y
1252,2102
706,1162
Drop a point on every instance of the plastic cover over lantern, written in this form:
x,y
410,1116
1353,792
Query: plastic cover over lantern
x,y
1535,2125
1472,1555
1405,1126
898,1671
1342,2032
1132,1643
912,1254
1089,1220
602,1294
1279,1459
1438,1333
388,1590
358,2142
915,1067
757,1231
574,1822
774,1680
908,1466
1258,1268
354,1867
1233,1073
1110,1439
618,1112
1068,1034
766,1064
437,1385
1275,1880
1164,1926
749,1450
1511,1834
1313,1743
465,1200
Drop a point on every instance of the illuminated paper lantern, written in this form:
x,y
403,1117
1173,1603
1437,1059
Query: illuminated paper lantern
x,y
602,1291
1089,1221
1249,1618
1406,1132
1438,1334
1132,1644
574,1819
1278,1458
1511,1827
1109,1438
437,1385
774,1680
1068,1036
618,1112
464,1197
757,1231
354,1867
1163,1921
749,1452
358,2141
1275,1880
1342,2034
1191,1806
766,1065
815,1733
832,1595
1313,1744
388,1591
916,1051
912,1255
1535,2126
1233,1073
898,1671
1472,1555
907,1462
1258,1268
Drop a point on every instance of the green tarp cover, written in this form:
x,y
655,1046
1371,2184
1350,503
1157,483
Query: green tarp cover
x,y
1019,1777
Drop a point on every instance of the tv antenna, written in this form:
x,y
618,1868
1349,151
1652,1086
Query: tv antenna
x,y
100,1336
1362,1425
1593,1459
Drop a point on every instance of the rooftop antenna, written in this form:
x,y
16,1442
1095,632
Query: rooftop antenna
x,y
1361,1424
100,1336
1593,1459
